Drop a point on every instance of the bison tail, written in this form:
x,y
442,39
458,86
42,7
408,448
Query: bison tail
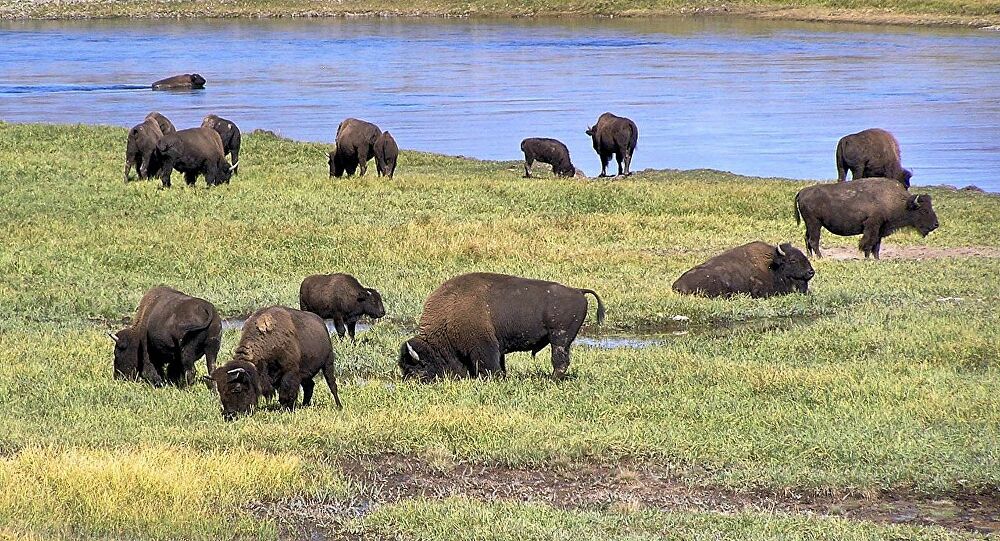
x,y
600,304
798,215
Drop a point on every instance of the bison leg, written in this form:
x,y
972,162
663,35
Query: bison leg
x,y
813,230
190,178
605,158
870,239
128,166
363,158
338,323
165,171
560,342
486,360
307,391
527,167
351,326
619,159
288,390
858,171
212,346
329,373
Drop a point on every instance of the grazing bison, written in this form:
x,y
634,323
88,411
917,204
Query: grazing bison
x,y
170,332
340,297
757,269
180,82
140,147
166,126
550,151
386,154
355,146
280,348
471,321
868,154
194,151
614,135
230,135
874,207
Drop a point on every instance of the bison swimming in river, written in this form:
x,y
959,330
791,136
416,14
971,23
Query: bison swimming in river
x,y
471,321
614,135
340,297
180,82
230,135
550,151
194,151
874,207
140,147
280,348
355,146
757,269
169,333
386,154
870,153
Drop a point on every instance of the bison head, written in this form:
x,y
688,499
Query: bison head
x,y
128,363
418,360
791,266
336,165
197,80
590,131
370,302
920,212
239,388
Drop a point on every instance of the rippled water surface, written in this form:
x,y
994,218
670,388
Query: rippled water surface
x,y
754,97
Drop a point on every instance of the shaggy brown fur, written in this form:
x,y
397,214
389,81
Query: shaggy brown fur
x,y
386,154
180,82
230,135
340,297
355,146
870,153
614,135
757,269
166,126
140,147
550,151
194,151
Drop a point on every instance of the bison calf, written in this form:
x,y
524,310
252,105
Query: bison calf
x,y
280,348
870,153
230,135
355,146
194,151
873,208
140,147
340,297
614,135
550,151
386,154
757,269
471,321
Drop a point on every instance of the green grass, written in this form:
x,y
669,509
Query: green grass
x,y
878,385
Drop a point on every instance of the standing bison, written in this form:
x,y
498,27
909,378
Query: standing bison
x,y
194,151
355,146
756,269
614,135
870,153
550,151
873,208
230,135
471,321
340,297
166,126
170,332
282,349
386,154
186,81
140,147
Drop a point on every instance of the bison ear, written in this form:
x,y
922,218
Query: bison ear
x,y
413,353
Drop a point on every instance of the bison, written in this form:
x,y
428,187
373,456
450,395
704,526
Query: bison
x,y
386,154
180,82
874,207
355,146
230,135
614,135
140,147
340,297
868,154
279,348
471,321
757,269
166,126
550,151
169,333
194,151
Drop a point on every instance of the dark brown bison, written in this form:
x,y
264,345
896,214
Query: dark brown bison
x,y
870,153
874,207
340,297
471,321
166,126
230,134
355,146
280,348
386,154
169,333
757,269
194,151
180,82
614,135
550,151
140,147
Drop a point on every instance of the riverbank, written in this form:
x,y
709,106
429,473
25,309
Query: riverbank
x,y
909,12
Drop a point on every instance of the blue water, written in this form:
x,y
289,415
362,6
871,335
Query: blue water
x,y
754,97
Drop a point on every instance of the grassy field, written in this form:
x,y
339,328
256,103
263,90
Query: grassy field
x,y
883,380
959,12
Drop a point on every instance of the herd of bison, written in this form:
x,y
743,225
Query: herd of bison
x,y
471,321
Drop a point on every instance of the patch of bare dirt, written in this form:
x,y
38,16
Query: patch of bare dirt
x,y
917,253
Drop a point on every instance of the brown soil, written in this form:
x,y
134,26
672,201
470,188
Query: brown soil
x,y
629,486
918,253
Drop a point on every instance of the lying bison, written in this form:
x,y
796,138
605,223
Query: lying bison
x,y
550,151
170,332
757,269
340,297
180,82
230,135
386,154
194,151
874,207
166,126
870,153
355,146
280,348
614,135
471,321
140,147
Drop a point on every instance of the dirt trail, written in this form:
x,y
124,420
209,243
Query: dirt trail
x,y
916,253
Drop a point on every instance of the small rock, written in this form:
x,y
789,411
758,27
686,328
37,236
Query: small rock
x,y
680,318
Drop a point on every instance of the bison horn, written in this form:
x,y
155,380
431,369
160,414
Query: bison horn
x,y
412,353
780,251
234,166
916,202
113,337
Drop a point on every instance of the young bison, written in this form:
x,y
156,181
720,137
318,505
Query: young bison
x,y
140,147
340,297
870,153
874,207
550,151
757,269
386,154
614,135
280,348
471,321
